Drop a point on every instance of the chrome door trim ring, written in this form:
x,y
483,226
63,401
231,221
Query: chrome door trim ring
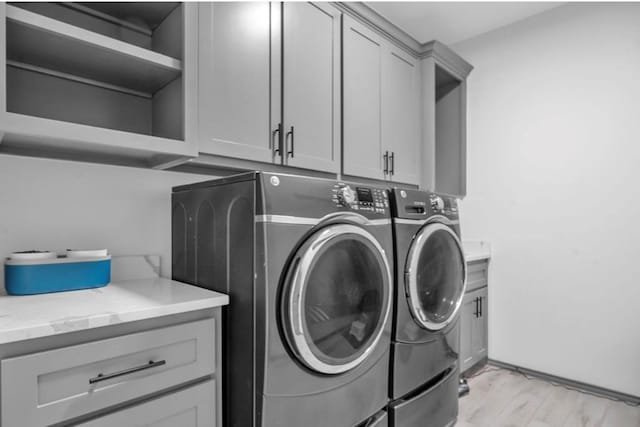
x,y
287,219
298,281
411,282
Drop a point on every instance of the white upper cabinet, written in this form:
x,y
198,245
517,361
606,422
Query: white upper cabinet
x,y
269,83
236,86
400,116
311,85
362,75
381,97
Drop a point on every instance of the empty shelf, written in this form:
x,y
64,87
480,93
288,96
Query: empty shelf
x,y
50,44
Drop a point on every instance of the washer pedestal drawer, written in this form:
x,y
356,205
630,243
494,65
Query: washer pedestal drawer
x,y
436,406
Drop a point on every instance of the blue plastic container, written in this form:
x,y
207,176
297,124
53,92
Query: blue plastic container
x,y
55,275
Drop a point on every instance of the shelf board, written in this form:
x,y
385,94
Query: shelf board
x,y
47,43
41,137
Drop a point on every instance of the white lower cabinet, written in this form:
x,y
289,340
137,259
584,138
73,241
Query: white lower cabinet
x,y
90,379
191,407
474,318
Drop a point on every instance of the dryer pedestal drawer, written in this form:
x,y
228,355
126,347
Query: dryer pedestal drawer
x,y
437,406
52,386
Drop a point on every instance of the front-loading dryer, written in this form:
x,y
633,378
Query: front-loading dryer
x,y
430,282
307,264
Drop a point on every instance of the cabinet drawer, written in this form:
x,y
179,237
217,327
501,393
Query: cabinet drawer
x,y
477,274
191,407
48,387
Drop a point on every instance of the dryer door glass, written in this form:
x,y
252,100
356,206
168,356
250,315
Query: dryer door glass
x,y
435,276
338,299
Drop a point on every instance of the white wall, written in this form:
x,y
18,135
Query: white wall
x,y
554,185
54,205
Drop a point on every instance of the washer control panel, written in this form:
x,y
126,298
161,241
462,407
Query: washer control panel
x,y
360,198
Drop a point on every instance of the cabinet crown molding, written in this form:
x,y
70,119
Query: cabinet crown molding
x,y
444,55
441,52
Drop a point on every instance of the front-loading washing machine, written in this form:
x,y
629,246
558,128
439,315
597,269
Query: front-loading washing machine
x,y
307,264
430,283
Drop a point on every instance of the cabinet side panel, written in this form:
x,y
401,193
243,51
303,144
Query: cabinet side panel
x,y
167,111
428,120
168,36
3,62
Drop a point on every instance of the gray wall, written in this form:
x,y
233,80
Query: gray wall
x,y
54,205
554,166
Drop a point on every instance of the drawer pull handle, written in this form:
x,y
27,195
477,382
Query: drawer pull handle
x,y
104,377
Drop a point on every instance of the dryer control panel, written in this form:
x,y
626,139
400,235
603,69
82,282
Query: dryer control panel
x,y
361,198
415,204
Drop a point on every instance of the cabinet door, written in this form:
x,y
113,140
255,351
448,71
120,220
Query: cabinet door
x,y
239,92
400,114
479,342
468,320
361,101
311,85
191,407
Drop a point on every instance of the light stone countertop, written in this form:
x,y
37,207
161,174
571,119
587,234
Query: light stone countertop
x,y
476,250
35,316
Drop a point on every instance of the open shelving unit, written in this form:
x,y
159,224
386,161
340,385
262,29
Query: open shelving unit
x,y
450,143
445,110
109,80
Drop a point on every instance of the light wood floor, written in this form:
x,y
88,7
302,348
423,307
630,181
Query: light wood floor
x,y
501,398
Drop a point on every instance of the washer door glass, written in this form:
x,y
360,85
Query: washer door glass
x,y
338,298
435,276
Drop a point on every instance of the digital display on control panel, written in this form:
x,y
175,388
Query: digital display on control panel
x,y
364,194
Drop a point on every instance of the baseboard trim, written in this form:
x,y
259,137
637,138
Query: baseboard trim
x,y
589,388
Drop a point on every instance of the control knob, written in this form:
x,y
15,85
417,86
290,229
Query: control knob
x,y
346,195
437,204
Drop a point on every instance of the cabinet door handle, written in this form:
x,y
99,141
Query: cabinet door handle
x,y
480,307
477,301
386,162
104,377
290,152
393,163
277,131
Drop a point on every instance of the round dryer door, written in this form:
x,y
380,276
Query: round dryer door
x,y
337,298
435,276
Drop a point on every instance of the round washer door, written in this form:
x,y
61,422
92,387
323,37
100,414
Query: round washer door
x,y
337,298
435,276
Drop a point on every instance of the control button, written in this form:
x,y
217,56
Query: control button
x,y
437,204
346,195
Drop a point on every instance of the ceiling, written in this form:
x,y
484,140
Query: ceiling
x,y
453,22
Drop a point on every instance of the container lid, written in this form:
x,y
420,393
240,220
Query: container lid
x,y
32,255
86,253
